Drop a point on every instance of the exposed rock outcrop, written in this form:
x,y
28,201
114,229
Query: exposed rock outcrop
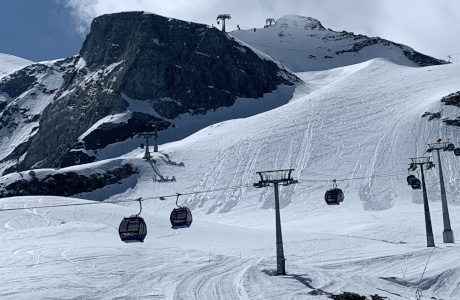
x,y
171,66
452,99
65,184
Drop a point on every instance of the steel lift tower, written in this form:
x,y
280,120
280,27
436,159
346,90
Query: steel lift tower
x,y
447,234
222,18
275,178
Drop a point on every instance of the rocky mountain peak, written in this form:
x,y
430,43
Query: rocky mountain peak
x,y
114,37
292,21
130,60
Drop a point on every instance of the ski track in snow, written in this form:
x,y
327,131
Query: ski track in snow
x,y
357,126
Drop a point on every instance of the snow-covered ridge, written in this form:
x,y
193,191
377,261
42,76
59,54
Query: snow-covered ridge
x,y
303,44
10,63
358,124
306,23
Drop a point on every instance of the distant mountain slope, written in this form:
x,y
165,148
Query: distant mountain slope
x,y
360,126
303,44
10,63
361,129
133,70
24,95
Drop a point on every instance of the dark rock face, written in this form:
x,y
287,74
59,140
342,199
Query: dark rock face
x,y
23,96
116,132
66,184
431,116
196,66
423,60
355,296
18,82
452,99
174,66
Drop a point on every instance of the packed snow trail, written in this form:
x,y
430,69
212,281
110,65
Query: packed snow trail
x,y
78,254
360,128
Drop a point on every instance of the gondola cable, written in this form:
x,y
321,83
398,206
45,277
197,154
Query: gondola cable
x,y
187,194
418,293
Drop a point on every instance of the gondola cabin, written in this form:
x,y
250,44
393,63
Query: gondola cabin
x,y
334,196
181,217
457,151
415,184
410,178
132,229
450,147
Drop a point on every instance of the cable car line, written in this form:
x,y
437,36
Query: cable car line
x,y
50,206
119,201
353,178
190,193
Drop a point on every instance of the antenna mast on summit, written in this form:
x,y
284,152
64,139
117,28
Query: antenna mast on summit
x,y
222,18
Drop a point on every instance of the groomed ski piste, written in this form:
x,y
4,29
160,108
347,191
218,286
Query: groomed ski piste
x,y
359,124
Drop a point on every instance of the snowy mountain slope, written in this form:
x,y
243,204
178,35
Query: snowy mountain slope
x,y
365,124
27,93
74,252
303,44
359,125
10,63
168,67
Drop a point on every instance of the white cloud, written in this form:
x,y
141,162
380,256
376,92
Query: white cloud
x,y
428,26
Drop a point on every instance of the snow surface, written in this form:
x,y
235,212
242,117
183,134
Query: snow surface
x,y
302,44
10,64
358,124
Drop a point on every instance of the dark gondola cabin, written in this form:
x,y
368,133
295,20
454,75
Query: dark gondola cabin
x,y
334,196
450,147
457,151
415,183
410,178
181,217
132,229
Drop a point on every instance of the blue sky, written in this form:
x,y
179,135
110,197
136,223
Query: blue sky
x,y
50,29
38,29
